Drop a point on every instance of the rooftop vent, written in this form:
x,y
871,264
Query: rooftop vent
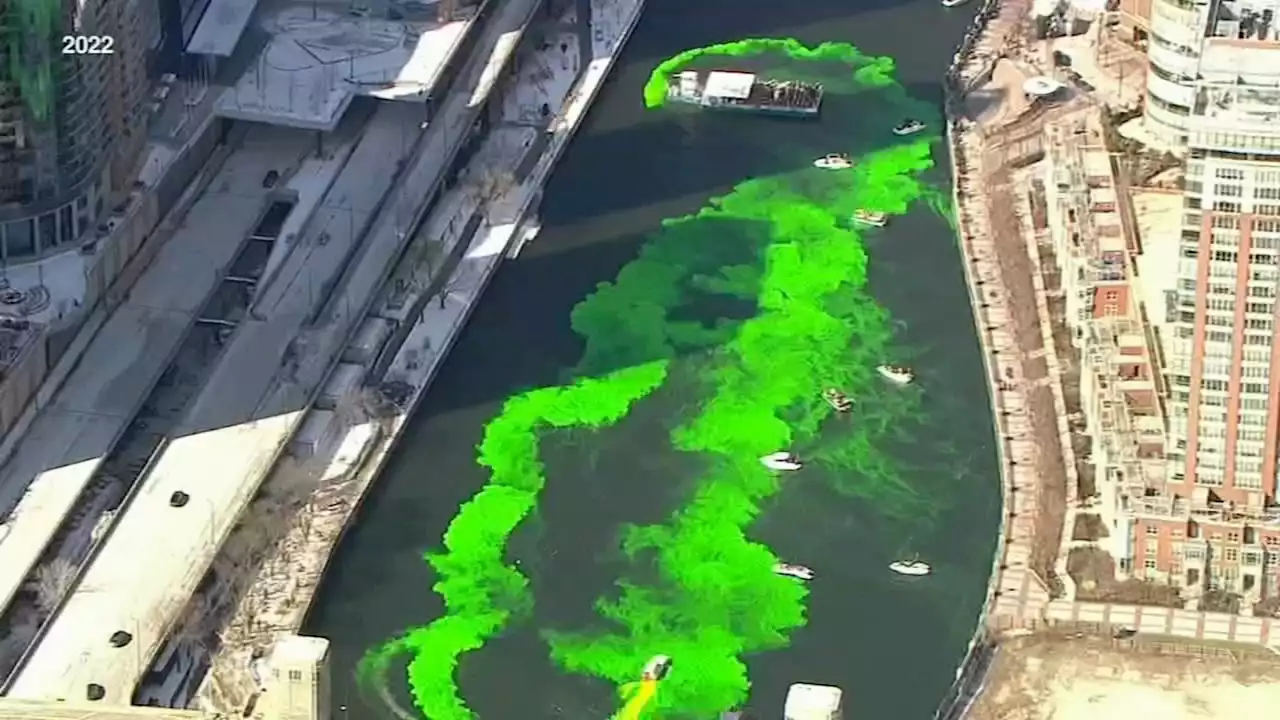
x,y
179,499
95,692
120,638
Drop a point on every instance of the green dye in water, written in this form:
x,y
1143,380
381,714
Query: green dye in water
x,y
716,598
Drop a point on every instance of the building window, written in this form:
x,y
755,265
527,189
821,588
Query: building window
x,y
1233,537
1230,555
295,675
20,239
1149,563
1152,531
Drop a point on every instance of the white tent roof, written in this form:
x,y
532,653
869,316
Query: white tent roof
x,y
734,85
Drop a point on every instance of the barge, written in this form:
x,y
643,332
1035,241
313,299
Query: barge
x,y
745,92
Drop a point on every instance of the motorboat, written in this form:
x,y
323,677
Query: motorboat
x,y
834,161
909,126
867,217
781,461
953,3
837,400
914,568
657,667
799,572
895,374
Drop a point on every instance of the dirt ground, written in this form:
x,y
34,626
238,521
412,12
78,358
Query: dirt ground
x,y
1060,677
1094,572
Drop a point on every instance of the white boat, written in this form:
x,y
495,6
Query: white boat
x,y
833,161
915,568
781,461
657,667
837,400
895,374
799,572
874,219
909,127
953,3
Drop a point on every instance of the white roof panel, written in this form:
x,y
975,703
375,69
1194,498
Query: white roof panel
x,y
735,85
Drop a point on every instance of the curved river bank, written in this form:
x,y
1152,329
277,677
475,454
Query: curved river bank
x,y
892,645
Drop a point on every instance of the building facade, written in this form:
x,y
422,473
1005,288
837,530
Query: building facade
x,y
1120,388
67,121
1217,526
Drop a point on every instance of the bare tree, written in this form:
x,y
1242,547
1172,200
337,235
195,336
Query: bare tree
x,y
306,520
197,625
52,581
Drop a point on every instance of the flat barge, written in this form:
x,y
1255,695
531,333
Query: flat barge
x,y
745,92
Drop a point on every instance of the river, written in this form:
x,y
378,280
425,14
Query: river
x,y
891,643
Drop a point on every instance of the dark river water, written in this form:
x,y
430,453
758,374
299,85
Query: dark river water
x,y
892,645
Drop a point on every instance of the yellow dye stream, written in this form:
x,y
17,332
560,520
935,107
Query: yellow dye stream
x,y
642,694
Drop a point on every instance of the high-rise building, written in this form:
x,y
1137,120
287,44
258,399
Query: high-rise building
x,y
1218,525
69,123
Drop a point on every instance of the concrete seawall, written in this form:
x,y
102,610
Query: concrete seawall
x,y
967,70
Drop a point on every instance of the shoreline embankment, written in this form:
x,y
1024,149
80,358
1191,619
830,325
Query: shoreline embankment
x,y
968,69
382,445
315,534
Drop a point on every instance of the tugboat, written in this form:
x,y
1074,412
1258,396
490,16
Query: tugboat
x,y
834,161
657,667
867,217
896,375
912,567
783,461
837,400
799,572
909,126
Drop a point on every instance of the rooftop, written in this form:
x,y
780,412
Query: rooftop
x,y
733,85
220,27
1067,678
241,419
317,60
15,709
223,420
59,455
